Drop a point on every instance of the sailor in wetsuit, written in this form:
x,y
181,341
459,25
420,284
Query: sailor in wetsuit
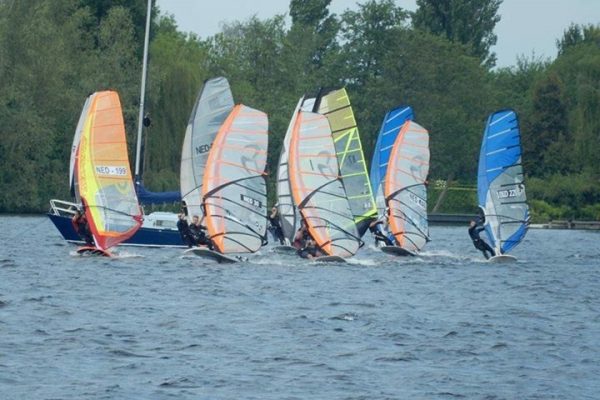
x,y
307,247
82,227
480,244
378,229
184,230
198,231
275,226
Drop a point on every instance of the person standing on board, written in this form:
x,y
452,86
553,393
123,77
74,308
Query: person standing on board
x,y
275,226
184,230
198,232
378,229
480,244
82,227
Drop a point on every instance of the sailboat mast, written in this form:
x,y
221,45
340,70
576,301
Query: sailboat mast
x,y
138,148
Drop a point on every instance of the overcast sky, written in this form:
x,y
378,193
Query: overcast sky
x,y
526,27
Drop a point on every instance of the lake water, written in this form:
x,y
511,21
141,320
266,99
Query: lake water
x,y
153,325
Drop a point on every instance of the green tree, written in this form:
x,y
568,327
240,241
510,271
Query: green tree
x,y
470,22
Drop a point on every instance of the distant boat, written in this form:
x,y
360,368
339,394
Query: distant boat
x,y
335,105
500,185
223,170
101,174
405,191
317,188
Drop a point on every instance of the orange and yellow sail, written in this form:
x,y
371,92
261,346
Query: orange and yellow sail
x,y
103,173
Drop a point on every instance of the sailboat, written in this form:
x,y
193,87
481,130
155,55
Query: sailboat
x,y
317,188
335,105
159,228
101,174
223,172
500,185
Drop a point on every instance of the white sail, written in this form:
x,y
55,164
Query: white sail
x,y
234,189
76,138
317,188
404,187
212,107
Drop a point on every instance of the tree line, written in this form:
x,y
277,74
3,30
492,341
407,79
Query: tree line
x,y
438,59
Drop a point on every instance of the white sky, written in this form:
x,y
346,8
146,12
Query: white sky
x,y
526,27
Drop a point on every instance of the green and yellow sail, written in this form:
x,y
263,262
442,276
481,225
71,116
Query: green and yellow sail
x,y
335,105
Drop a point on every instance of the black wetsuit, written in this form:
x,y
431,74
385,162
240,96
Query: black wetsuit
x,y
479,243
184,231
313,250
275,228
82,228
379,236
199,236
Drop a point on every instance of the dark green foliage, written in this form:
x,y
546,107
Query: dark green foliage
x,y
54,53
470,22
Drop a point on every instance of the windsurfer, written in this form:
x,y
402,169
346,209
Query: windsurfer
x,y
184,230
480,244
378,229
306,245
82,227
275,226
198,233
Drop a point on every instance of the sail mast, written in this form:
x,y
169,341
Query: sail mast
x,y
138,147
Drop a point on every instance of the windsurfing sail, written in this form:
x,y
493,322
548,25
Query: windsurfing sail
x,y
500,186
74,148
317,188
404,187
234,189
213,105
289,216
390,127
335,105
103,174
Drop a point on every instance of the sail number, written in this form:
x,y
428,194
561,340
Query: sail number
x,y
508,193
113,171
251,201
417,200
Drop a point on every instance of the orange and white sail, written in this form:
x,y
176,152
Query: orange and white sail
x,y
404,187
317,188
102,172
234,190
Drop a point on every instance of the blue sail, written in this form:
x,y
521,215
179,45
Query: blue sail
x,y
390,127
500,186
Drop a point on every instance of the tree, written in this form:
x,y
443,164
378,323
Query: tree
x,y
470,22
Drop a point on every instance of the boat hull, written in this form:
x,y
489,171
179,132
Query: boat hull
x,y
148,237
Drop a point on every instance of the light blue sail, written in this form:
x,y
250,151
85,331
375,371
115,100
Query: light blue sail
x,y
500,187
390,127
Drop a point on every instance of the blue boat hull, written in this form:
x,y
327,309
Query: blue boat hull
x,y
151,237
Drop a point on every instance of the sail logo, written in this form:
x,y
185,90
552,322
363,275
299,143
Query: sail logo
x,y
111,171
203,148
